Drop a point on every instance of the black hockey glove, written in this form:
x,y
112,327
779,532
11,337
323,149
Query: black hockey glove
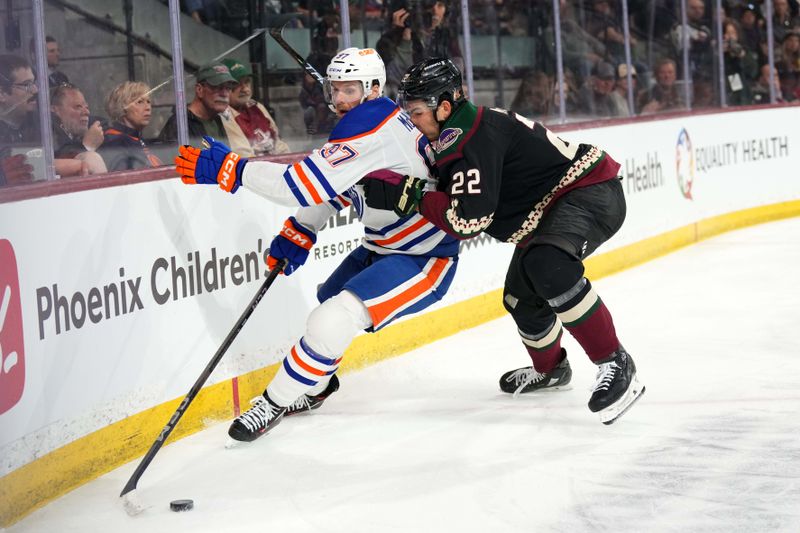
x,y
402,197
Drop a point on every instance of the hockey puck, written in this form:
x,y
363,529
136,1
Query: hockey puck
x,y
181,505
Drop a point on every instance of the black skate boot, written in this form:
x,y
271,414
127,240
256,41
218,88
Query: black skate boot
x,y
616,387
258,420
307,403
527,379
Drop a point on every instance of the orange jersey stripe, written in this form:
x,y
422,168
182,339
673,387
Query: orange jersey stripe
x,y
381,311
305,181
305,366
402,234
370,132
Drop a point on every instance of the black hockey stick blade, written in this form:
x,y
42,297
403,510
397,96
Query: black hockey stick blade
x,y
277,34
134,508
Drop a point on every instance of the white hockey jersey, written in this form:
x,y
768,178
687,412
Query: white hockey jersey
x,y
374,136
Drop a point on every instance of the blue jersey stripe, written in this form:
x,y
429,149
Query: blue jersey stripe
x,y
386,229
295,375
428,234
292,187
320,177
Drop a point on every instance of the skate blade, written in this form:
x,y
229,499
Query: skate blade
x,y
610,414
519,393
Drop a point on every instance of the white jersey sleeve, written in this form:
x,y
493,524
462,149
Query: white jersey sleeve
x,y
365,140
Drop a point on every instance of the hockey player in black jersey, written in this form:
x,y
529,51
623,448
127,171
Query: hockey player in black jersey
x,y
512,178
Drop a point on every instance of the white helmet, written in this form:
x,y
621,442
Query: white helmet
x,y
356,64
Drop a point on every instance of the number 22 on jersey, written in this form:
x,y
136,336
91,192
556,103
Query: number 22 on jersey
x,y
466,182
562,146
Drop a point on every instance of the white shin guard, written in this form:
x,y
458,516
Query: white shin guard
x,y
330,329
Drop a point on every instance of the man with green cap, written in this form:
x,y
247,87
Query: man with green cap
x,y
250,128
212,94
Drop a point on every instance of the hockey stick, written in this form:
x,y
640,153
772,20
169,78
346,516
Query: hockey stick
x,y
132,506
277,34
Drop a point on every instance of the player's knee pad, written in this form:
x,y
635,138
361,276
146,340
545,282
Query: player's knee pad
x,y
551,270
333,324
531,313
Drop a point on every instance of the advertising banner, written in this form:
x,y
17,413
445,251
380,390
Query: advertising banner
x,y
113,300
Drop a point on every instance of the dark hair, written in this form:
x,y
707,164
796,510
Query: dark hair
x,y
50,39
59,92
8,64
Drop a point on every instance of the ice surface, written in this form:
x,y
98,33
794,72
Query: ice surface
x,y
427,442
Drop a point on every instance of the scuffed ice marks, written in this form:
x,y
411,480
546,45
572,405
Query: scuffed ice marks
x,y
730,472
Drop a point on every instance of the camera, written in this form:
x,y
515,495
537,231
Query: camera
x,y
411,7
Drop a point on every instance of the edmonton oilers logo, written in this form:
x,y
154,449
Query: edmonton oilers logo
x,y
684,164
447,138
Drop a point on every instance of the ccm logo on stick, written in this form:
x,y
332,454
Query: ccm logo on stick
x,y
12,347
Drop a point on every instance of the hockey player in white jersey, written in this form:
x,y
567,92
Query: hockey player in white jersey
x,y
404,264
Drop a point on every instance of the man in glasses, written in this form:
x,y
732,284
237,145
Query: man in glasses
x,y
19,124
18,90
212,94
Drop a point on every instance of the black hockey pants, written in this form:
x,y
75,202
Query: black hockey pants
x,y
552,262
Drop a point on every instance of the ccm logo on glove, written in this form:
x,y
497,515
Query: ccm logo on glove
x,y
296,237
292,243
227,174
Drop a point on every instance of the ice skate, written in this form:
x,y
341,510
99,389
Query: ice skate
x,y
256,421
616,387
527,379
307,403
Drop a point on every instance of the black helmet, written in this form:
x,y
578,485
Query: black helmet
x,y
432,80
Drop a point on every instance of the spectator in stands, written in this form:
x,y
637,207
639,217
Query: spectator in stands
x,y
250,128
571,93
580,49
760,93
787,61
55,77
211,98
415,34
208,12
699,38
73,137
129,108
534,98
751,34
653,20
317,116
512,17
19,123
737,71
595,96
664,95
399,47
438,39
782,20
606,26
620,94
788,55
703,94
